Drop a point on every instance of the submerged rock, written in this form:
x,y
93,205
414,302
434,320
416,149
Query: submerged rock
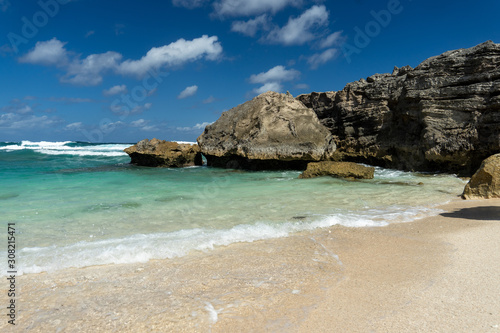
x,y
338,169
443,115
271,131
485,183
161,153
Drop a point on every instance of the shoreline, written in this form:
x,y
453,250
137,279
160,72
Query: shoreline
x,y
435,274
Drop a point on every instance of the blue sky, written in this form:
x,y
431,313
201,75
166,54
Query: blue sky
x,y
121,71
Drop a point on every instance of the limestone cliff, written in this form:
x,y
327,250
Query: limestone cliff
x,y
271,131
443,115
161,153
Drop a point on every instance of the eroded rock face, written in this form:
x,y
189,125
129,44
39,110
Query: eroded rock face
x,y
161,153
443,115
485,183
338,169
271,131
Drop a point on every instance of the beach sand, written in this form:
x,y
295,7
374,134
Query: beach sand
x,y
439,274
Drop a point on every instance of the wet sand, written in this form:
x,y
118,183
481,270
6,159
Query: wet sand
x,y
440,274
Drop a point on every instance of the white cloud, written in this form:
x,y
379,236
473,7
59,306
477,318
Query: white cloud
x,y
17,107
319,59
301,29
174,54
250,27
276,74
19,122
331,40
115,90
90,70
197,127
209,100
51,52
270,86
123,110
71,100
74,126
301,86
189,91
224,8
143,125
139,123
189,4
271,80
90,33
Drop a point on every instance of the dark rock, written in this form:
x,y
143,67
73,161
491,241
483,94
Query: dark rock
x,y
485,183
443,115
338,169
272,131
161,153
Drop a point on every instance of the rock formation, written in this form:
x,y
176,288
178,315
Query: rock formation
x,y
161,153
443,115
338,169
485,183
272,131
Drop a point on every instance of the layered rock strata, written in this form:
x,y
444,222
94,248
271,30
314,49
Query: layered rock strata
x,y
338,169
271,131
161,153
443,115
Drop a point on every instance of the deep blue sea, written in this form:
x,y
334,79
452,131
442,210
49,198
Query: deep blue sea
x,y
79,204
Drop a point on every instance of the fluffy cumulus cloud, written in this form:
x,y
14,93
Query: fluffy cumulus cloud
x,y
174,54
197,127
250,27
188,92
90,70
319,59
189,4
224,8
115,90
51,52
272,79
302,29
275,74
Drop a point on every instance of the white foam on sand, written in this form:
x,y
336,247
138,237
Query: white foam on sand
x,y
144,247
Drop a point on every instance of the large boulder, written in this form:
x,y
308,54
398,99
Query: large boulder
x,y
271,131
443,115
338,169
161,153
485,183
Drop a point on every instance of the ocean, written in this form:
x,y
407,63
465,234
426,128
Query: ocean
x,y
77,204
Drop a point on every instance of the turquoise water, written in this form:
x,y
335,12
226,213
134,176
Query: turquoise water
x,y
80,204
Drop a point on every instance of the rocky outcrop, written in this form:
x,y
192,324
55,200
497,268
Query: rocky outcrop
x,y
272,131
485,183
161,153
338,169
443,115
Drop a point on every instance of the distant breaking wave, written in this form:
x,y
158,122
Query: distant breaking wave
x,y
69,148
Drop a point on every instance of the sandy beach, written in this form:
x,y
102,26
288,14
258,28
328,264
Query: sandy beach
x,y
439,274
